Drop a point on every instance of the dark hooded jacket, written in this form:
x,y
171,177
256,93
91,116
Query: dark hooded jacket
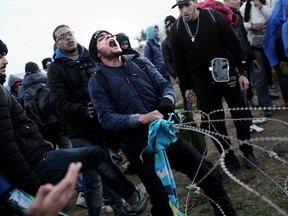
x,y
29,80
121,37
12,80
21,144
68,82
134,92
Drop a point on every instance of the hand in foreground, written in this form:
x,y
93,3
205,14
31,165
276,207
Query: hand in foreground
x,y
149,117
51,199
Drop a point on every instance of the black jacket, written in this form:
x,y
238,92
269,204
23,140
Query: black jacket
x,y
168,56
21,144
68,82
214,38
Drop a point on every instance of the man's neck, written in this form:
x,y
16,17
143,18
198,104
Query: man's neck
x,y
196,14
114,62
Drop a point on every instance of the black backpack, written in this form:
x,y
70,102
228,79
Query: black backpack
x,y
40,107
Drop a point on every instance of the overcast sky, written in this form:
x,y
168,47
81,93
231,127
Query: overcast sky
x,y
27,25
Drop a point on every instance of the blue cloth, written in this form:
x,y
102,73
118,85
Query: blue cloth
x,y
161,134
279,16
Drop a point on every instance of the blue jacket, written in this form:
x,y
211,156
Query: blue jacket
x,y
132,92
279,16
153,52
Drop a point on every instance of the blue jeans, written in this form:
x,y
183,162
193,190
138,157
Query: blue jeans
x,y
260,79
52,167
93,199
90,181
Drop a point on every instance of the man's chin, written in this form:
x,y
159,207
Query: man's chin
x,y
117,54
72,50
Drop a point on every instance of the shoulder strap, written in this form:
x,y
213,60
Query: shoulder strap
x,y
212,16
140,64
103,80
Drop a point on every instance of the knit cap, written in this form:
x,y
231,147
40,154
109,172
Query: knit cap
x,y
168,20
3,47
93,45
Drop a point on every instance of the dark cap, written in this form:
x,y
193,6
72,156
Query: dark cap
x,y
46,62
3,47
122,39
93,45
180,2
31,67
168,20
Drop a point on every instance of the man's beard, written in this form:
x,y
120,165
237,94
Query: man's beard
x,y
113,55
70,51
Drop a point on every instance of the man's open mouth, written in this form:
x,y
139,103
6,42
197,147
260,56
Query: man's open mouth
x,y
112,42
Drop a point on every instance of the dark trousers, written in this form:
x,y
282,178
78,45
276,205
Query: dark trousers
x,y
183,157
210,96
52,167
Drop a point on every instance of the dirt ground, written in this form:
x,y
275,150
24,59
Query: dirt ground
x,y
262,191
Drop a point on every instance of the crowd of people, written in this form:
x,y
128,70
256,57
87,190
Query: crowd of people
x,y
92,103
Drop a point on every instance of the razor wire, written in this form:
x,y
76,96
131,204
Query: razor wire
x,y
251,141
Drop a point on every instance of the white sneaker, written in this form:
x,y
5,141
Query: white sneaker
x,y
258,120
81,200
108,209
254,128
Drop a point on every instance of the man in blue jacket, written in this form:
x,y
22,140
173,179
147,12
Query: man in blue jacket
x,y
133,97
275,45
152,51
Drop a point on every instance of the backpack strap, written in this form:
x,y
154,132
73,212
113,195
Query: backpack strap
x,y
212,16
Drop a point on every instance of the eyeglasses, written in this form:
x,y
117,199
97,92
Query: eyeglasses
x,y
64,36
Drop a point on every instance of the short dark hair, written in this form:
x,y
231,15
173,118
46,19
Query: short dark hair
x,y
31,67
58,27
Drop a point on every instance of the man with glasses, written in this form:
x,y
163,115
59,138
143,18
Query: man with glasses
x,y
68,77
